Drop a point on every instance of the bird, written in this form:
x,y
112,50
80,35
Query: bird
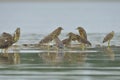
x,y
72,36
6,39
108,37
46,39
66,42
16,35
83,35
82,32
54,34
76,37
82,40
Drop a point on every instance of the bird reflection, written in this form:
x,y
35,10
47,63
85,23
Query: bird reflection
x,y
11,58
75,58
61,57
110,53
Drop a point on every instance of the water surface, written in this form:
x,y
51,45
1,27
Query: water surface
x,y
31,63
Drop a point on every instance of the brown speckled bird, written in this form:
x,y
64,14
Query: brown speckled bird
x,y
66,41
75,37
46,39
6,39
16,35
72,36
51,36
108,37
56,32
82,32
82,40
83,35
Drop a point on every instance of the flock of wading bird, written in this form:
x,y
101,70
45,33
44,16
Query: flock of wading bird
x,y
7,40
81,38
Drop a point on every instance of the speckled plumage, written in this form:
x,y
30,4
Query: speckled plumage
x,y
109,36
82,32
51,36
6,39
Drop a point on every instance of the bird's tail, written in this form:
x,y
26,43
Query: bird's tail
x,y
16,35
89,43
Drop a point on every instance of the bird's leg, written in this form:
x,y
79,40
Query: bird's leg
x,y
5,52
56,46
83,46
48,49
57,49
108,43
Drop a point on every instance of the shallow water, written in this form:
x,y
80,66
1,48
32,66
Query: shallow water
x,y
100,63
59,65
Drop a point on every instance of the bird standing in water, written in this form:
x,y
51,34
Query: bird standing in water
x,y
108,37
82,40
82,32
6,39
83,35
66,42
56,32
71,37
52,36
75,37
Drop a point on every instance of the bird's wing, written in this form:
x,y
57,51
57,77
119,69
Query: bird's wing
x,y
59,43
3,42
108,37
